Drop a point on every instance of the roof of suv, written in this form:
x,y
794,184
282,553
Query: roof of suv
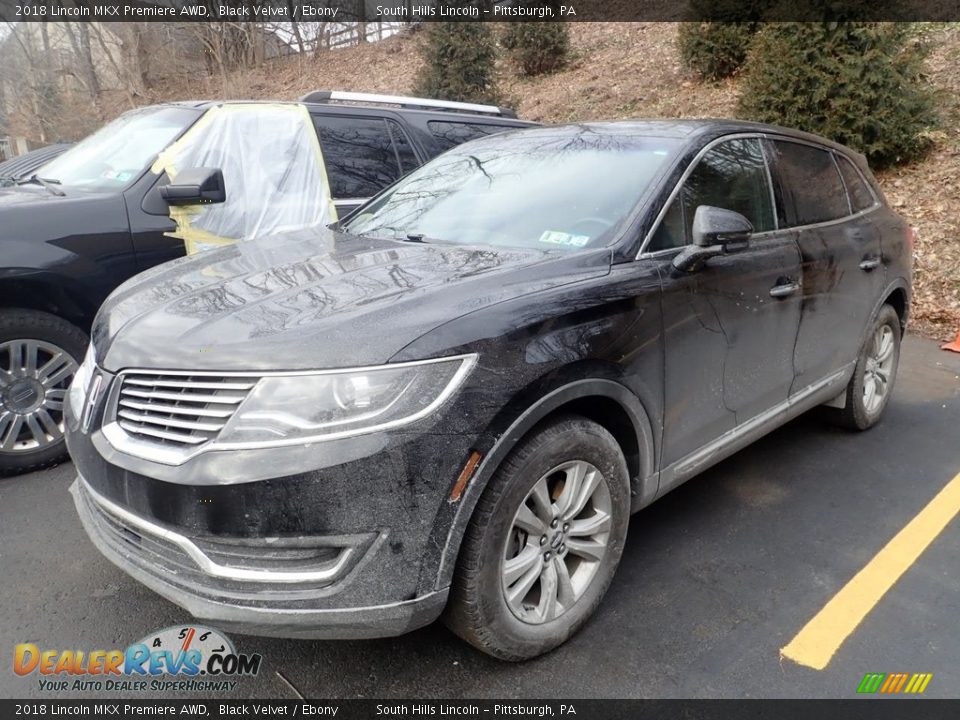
x,y
344,101
689,129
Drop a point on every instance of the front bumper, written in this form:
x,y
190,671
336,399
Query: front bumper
x,y
352,537
254,587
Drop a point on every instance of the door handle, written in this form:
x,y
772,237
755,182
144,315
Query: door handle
x,y
784,290
870,264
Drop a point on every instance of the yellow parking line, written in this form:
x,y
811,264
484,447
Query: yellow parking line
x,y
816,643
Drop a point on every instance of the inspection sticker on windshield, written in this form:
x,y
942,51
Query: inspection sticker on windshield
x,y
555,237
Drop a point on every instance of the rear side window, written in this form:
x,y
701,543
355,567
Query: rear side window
x,y
450,134
812,189
732,176
861,197
362,155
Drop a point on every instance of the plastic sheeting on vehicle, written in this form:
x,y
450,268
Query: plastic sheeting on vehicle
x,y
273,173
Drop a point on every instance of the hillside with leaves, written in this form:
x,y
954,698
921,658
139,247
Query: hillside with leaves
x,y
632,70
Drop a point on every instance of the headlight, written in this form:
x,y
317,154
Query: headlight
x,y
287,409
81,381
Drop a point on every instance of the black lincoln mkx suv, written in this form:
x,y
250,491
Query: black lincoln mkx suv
x,y
453,402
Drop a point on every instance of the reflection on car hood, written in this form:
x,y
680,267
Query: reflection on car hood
x,y
321,300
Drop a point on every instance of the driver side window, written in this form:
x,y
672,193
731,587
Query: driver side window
x,y
732,176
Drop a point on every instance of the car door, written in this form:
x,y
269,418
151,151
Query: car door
x,y
363,155
842,269
729,328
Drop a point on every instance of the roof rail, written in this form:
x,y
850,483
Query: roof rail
x,y
334,96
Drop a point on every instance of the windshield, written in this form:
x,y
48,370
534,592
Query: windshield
x,y
533,189
118,153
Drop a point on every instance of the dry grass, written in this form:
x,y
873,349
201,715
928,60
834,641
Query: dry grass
x,y
624,70
928,195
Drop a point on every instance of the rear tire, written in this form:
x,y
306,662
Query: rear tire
x,y
871,386
39,355
536,560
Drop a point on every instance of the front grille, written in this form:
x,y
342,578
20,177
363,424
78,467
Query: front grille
x,y
178,410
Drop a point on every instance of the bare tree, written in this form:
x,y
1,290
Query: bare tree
x,y
28,74
295,26
78,33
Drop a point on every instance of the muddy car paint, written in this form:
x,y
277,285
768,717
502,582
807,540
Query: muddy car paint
x,y
665,360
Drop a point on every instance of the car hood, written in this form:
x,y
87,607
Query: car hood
x,y
312,301
30,212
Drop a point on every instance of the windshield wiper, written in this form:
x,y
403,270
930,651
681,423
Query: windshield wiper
x,y
415,237
48,184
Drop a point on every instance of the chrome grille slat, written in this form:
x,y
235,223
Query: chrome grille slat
x,y
170,422
190,397
178,410
161,434
190,385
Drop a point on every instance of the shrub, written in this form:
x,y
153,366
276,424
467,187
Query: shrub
x,y
860,84
715,50
459,63
536,48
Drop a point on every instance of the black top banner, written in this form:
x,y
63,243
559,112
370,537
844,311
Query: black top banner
x,y
492,709
416,11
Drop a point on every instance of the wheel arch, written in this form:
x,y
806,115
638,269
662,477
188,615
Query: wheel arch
x,y
898,298
45,293
605,401
895,294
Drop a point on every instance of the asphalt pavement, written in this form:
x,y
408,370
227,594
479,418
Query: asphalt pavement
x,y
717,577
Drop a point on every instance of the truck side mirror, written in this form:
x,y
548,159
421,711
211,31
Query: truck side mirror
x,y
195,186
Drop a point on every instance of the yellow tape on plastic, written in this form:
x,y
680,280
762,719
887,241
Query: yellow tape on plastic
x,y
274,174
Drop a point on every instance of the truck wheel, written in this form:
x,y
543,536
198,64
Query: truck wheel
x,y
39,355
543,543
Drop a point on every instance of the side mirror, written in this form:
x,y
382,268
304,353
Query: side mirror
x,y
715,232
716,226
195,186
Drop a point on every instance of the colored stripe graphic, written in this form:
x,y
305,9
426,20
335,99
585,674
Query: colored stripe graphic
x,y
895,683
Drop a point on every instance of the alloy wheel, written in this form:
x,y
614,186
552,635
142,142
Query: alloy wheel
x,y
557,541
879,369
34,377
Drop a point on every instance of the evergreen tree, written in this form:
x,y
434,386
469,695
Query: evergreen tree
x,y
715,50
536,48
860,84
459,63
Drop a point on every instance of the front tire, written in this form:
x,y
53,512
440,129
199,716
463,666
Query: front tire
x,y
544,542
871,386
39,355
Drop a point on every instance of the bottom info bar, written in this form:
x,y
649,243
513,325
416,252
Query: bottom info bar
x,y
581,709
337,708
